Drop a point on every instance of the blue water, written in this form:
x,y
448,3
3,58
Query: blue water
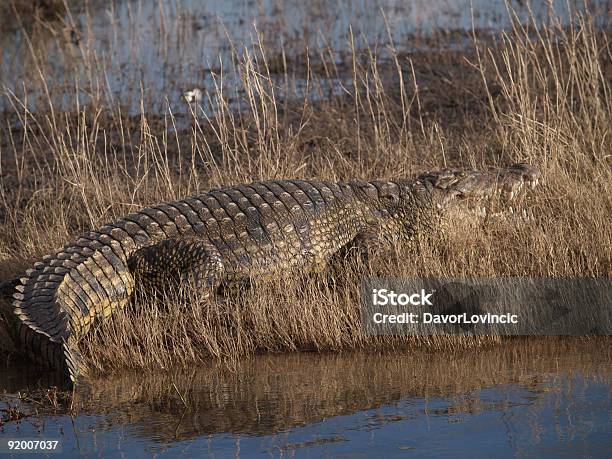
x,y
130,52
546,404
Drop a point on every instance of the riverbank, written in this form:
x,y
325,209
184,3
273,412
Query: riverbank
x,y
74,158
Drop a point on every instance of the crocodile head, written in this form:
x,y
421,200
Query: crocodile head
x,y
449,187
401,207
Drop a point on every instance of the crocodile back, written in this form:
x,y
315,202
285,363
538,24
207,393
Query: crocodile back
x,y
255,227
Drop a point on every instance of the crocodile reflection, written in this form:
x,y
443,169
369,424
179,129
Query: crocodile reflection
x,y
272,393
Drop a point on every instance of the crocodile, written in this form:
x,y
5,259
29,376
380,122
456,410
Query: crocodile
x,y
228,235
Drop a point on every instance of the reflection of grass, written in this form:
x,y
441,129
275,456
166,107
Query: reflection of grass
x,y
32,403
271,393
542,98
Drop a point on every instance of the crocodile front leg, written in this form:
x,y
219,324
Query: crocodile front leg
x,y
174,263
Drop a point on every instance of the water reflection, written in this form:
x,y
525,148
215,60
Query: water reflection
x,y
518,398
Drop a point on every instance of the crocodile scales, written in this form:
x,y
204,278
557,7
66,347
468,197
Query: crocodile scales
x,y
226,235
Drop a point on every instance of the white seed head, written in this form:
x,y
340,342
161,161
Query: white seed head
x,y
194,95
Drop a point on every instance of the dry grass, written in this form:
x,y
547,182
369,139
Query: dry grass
x,y
536,95
30,11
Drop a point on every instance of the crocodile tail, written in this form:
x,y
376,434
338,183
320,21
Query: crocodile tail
x,y
57,301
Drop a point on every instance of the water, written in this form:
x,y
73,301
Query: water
x,y
522,399
137,54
